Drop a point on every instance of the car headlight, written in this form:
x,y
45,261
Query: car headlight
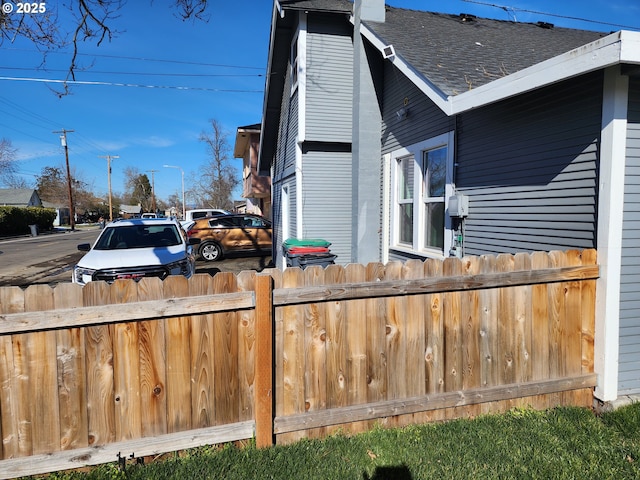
x,y
180,268
82,275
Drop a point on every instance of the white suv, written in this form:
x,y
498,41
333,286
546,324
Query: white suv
x,y
136,248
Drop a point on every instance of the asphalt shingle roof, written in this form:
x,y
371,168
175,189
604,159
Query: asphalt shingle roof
x,y
458,55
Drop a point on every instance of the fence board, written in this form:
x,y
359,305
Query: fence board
x,y
225,353
246,351
126,366
315,351
293,353
540,327
335,344
153,365
354,346
11,301
99,356
202,358
178,347
356,343
71,372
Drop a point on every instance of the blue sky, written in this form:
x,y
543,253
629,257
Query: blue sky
x,y
180,76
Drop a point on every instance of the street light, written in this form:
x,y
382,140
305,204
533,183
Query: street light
x,y
184,212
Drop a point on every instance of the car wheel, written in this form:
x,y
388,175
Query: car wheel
x,y
211,251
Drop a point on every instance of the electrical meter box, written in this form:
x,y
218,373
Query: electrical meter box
x,y
459,205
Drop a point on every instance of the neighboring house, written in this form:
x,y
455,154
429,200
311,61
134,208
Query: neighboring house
x,y
256,188
402,134
19,197
62,213
130,211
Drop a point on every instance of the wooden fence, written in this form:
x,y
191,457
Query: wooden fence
x,y
103,372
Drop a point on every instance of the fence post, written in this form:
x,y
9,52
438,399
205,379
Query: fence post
x,y
264,361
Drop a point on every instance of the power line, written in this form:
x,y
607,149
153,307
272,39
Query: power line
x,y
206,75
137,59
118,84
566,17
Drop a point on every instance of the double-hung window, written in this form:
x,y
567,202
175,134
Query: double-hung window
x,y
421,179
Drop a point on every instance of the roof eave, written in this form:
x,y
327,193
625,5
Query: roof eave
x,y
619,47
616,48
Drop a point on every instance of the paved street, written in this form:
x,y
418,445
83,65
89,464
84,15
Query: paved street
x,y
49,258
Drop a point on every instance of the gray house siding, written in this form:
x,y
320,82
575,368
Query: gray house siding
x,y
629,354
529,165
424,120
329,81
326,187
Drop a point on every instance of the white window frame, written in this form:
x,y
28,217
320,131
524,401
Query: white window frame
x,y
297,54
419,199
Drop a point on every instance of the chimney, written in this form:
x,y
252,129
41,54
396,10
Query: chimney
x,y
370,10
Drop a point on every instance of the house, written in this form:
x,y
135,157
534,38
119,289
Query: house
x,y
256,188
19,197
62,213
400,134
130,211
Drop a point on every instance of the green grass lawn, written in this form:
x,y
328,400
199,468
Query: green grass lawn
x,y
563,443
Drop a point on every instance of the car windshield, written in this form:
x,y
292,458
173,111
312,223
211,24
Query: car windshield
x,y
138,236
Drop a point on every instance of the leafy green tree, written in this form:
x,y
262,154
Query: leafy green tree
x,y
138,189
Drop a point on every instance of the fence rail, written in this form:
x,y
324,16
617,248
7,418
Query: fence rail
x,y
86,372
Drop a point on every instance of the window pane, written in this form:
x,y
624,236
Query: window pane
x,y
405,178
434,225
406,223
436,163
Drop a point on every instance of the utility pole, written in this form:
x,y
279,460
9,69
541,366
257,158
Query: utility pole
x,y
153,190
109,157
72,210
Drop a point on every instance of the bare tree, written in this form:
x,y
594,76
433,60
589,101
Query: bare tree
x,y
218,178
91,21
8,168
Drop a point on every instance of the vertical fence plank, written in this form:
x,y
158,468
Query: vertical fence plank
x,y
356,345
315,351
470,322
178,348
396,341
414,367
556,326
452,329
540,327
278,349
71,372
336,344
522,326
506,329
246,350
202,358
264,361
126,366
376,343
434,341
588,302
573,330
293,367
225,353
42,375
153,365
99,357
488,305
12,409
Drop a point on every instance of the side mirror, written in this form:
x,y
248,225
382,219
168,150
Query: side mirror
x,y
84,247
